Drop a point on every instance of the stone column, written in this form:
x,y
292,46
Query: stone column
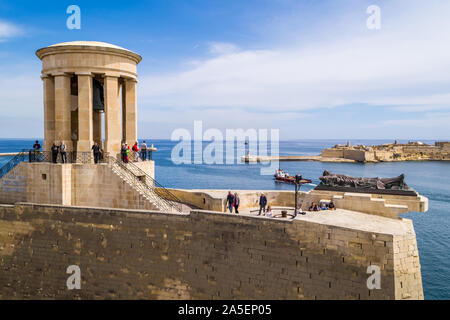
x,y
112,115
62,110
124,114
85,112
49,111
130,111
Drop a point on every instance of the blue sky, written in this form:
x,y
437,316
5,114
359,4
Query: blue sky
x,y
309,68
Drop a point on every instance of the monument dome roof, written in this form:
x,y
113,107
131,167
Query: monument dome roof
x,y
93,44
87,43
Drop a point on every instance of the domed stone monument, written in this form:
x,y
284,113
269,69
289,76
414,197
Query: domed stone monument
x,y
83,80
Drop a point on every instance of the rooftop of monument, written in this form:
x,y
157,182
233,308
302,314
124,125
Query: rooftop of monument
x,y
85,45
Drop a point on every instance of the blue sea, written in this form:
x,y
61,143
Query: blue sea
x,y
430,179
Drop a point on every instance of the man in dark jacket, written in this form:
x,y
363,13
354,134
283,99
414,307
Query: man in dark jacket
x,y
55,150
96,150
230,200
262,203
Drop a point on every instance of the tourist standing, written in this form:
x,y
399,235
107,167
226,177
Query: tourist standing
x,y
123,151
135,149
54,150
230,200
36,146
262,203
36,150
96,150
236,203
62,150
144,151
127,153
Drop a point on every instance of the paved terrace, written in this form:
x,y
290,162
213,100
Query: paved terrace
x,y
343,218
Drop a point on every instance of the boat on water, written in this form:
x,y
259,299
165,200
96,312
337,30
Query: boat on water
x,y
283,176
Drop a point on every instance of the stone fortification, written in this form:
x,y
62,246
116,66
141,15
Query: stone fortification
x,y
129,254
413,151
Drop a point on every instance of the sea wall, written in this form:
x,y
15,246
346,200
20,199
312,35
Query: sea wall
x,y
333,153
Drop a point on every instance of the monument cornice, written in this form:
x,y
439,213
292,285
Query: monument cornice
x,y
90,70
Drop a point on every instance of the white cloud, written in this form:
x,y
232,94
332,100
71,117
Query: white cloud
x,y
400,65
8,30
222,48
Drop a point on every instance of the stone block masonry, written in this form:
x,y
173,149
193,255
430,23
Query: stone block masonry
x,y
72,184
132,254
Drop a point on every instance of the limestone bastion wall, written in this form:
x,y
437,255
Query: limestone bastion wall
x,y
72,184
203,255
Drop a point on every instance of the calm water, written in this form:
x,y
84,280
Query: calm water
x,y
431,179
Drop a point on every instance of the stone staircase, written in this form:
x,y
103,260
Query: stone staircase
x,y
11,164
144,185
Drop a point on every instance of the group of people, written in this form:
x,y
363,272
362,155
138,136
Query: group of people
x,y
128,154
322,206
133,153
233,201
61,149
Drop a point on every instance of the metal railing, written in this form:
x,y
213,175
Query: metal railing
x,y
69,157
160,196
12,163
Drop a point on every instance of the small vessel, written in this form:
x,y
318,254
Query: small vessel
x,y
283,176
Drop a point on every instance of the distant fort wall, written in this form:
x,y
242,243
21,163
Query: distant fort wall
x,y
131,254
390,152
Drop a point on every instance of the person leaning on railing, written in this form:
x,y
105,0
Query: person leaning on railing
x,y
36,151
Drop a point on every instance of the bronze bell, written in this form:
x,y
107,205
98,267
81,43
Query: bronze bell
x,y
98,97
